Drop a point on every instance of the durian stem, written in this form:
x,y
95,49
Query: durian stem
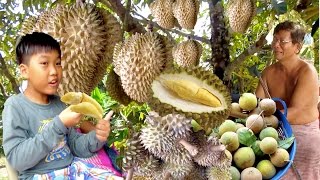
x,y
193,150
237,114
220,147
129,174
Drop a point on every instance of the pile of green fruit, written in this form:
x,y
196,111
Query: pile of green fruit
x,y
257,148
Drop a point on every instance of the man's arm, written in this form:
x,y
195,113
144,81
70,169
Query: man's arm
x,y
303,104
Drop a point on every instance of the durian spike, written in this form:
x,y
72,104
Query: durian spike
x,y
167,176
72,98
193,150
190,91
87,109
86,98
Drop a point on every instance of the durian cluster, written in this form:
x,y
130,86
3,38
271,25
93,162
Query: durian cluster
x,y
167,147
87,36
170,13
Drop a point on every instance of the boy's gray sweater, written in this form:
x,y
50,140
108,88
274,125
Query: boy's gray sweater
x,y
35,140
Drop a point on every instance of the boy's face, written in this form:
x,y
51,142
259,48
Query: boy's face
x,y
43,73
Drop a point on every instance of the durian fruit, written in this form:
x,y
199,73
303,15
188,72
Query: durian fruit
x,y
240,14
87,36
84,104
139,160
161,10
115,90
217,173
165,101
138,60
187,53
211,151
186,12
198,173
177,171
161,134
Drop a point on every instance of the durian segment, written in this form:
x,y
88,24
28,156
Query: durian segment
x,y
87,109
240,14
164,102
161,10
138,61
191,91
187,53
186,12
115,90
72,98
89,99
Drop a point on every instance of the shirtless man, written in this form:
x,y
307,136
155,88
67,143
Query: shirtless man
x,y
296,82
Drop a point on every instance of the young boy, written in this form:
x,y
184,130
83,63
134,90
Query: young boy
x,y
38,135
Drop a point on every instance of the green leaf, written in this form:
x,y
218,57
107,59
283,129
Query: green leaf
x,y
286,143
256,149
246,137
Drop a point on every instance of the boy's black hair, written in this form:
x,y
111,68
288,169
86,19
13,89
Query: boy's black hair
x,y
296,31
35,43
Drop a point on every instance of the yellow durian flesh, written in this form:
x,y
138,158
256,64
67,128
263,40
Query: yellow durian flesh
x,y
92,101
87,109
191,91
72,98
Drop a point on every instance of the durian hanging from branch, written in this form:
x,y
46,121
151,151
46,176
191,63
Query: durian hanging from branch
x,y
87,36
240,14
187,53
171,13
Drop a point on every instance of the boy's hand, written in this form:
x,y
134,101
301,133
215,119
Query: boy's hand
x,y
70,118
103,128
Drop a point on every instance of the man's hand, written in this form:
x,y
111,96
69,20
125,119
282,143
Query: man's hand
x,y
103,127
70,118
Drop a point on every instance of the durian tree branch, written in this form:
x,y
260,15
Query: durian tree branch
x,y
5,71
133,25
198,38
247,52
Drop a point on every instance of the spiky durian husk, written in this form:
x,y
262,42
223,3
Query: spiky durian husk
x,y
175,171
140,59
115,90
187,53
28,25
84,33
218,173
186,12
135,153
211,153
240,14
161,133
197,173
161,10
164,103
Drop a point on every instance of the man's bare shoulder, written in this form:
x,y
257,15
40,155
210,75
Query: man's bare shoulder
x,y
307,67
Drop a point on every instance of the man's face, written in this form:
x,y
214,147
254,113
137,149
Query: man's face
x,y
43,72
283,47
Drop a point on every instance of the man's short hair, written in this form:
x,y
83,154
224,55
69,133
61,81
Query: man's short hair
x,y
296,31
36,42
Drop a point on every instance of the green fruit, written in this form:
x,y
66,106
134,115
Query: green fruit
x,y
226,126
230,140
267,169
268,145
195,126
235,174
251,173
244,157
238,126
248,101
269,132
280,158
268,106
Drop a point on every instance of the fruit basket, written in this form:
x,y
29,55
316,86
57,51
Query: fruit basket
x,y
285,128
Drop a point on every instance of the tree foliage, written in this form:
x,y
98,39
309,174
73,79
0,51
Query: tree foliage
x,y
133,16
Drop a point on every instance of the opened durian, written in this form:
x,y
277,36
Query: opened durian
x,y
194,92
161,10
87,36
115,90
138,60
186,12
187,53
240,14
